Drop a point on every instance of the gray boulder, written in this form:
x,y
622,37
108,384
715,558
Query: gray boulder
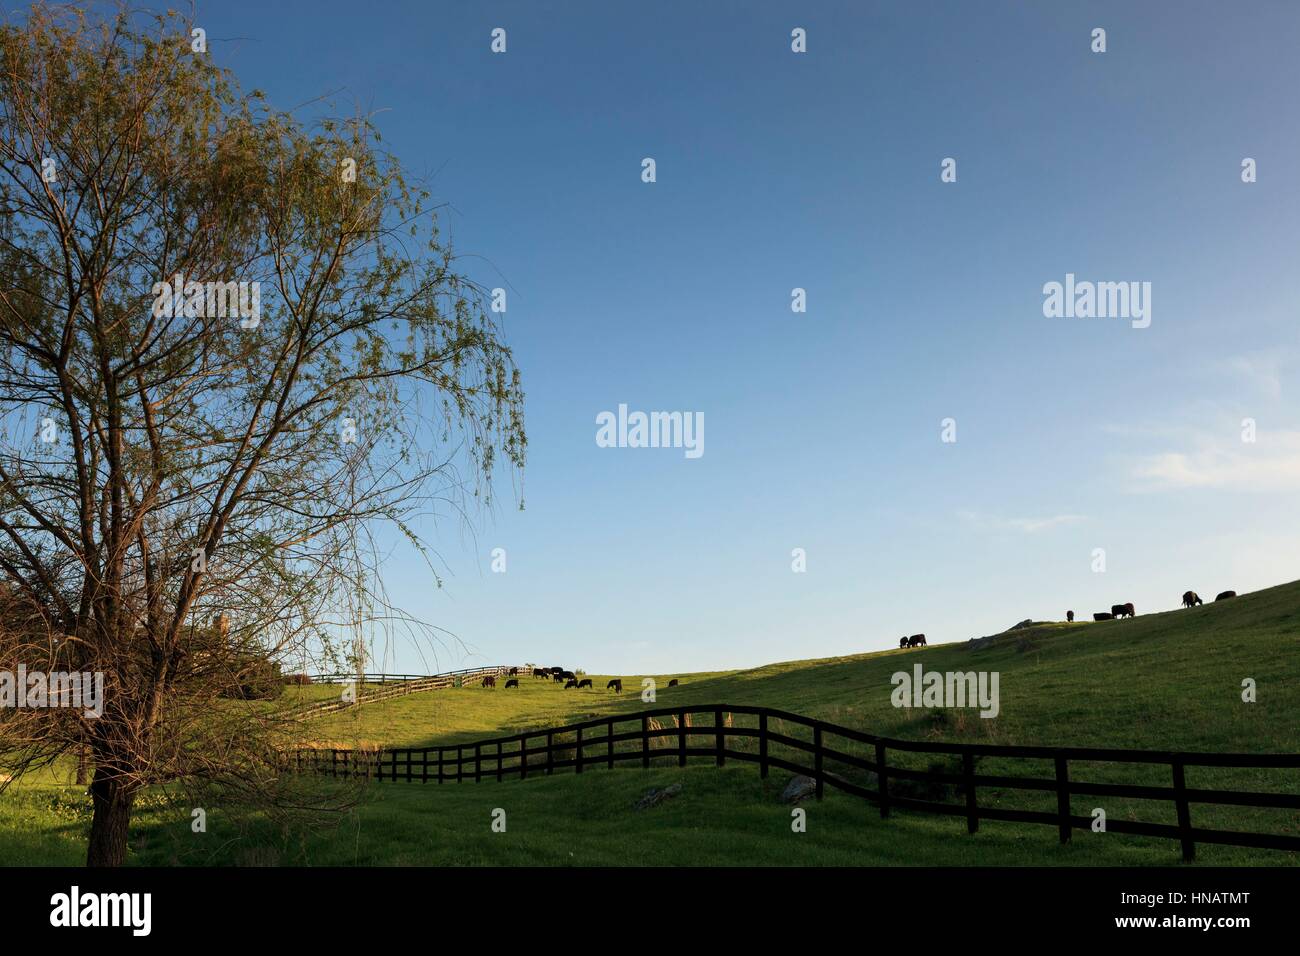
x,y
799,788
653,797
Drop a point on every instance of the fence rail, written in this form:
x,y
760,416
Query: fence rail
x,y
648,740
396,685
386,678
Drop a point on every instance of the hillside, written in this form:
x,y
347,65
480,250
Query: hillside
x,y
1160,681
1170,680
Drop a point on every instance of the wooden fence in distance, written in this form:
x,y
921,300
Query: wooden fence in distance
x,y
392,685
640,737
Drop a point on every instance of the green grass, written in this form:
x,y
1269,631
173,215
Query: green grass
x,y
1161,681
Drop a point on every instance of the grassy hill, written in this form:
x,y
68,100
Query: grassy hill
x,y
1160,681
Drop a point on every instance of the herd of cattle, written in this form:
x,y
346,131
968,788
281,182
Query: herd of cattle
x,y
1190,599
568,678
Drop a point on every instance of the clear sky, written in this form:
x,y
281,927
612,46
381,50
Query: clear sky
x,y
821,170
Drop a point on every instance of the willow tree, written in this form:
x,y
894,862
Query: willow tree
x,y
232,346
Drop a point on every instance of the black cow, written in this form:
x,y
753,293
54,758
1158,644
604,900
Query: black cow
x,y
557,678
1223,596
1102,616
585,682
568,675
615,685
673,682
540,672
511,683
1122,610
570,683
902,641
916,640
490,682
514,671
1069,616
1191,599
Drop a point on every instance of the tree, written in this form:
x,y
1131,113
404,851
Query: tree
x,y
227,442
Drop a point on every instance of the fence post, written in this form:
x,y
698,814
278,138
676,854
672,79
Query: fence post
x,y
550,753
882,779
972,810
762,745
610,751
681,739
523,756
645,741
478,763
440,762
817,758
1063,798
334,762
424,766
719,742
1184,814
578,751
460,763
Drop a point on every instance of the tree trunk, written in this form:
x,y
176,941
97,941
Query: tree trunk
x,y
108,827
83,765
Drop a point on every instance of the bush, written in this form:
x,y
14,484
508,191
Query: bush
x,y
256,678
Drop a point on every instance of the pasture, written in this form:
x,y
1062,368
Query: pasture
x,y
1170,680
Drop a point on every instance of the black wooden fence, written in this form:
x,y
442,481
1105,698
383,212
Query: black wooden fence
x,y
714,734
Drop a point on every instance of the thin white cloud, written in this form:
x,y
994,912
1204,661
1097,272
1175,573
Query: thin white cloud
x,y
993,523
1270,463
1267,369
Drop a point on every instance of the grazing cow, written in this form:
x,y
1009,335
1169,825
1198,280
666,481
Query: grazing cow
x,y
490,682
1225,595
570,683
1102,616
673,682
1069,616
514,672
1191,598
511,683
916,640
557,678
615,685
1122,610
540,672
902,641
585,682
568,675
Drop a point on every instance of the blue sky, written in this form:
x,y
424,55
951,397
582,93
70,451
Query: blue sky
x,y
778,170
